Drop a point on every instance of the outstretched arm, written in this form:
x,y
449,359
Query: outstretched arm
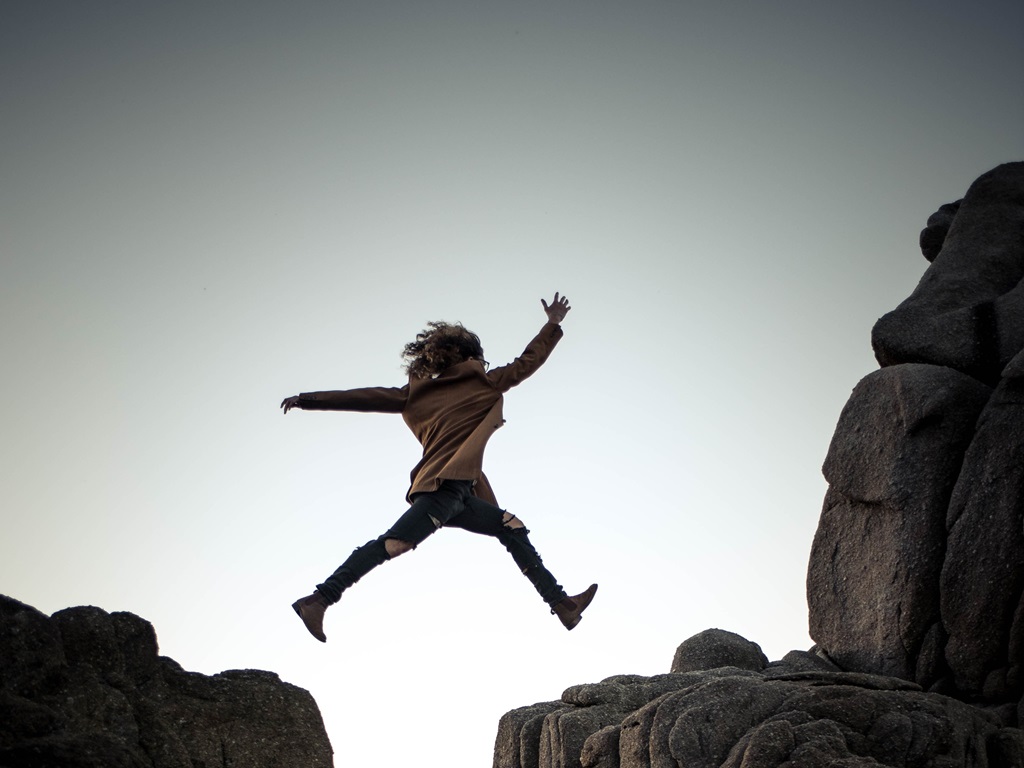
x,y
558,310
367,399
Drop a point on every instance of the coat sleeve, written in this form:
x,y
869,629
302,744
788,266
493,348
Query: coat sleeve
x,y
533,357
367,399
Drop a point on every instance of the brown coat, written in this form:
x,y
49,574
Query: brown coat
x,y
453,414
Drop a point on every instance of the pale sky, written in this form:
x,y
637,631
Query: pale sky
x,y
208,207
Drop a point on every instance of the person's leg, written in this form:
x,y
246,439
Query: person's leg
x,y
429,511
362,560
488,520
481,517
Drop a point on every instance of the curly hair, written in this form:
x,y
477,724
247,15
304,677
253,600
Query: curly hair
x,y
440,346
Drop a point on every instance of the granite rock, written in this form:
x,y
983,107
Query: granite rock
x,y
84,688
738,718
982,580
933,236
715,648
873,575
967,312
915,583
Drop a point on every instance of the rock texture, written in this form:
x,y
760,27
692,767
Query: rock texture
x,y
917,568
967,313
873,578
799,712
915,584
84,688
982,584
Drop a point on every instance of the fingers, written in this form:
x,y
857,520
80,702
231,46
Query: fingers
x,y
557,310
558,301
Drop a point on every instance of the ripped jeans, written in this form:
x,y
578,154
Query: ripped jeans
x,y
453,505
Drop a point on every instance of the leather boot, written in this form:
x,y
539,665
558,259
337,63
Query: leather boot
x,y
568,610
311,610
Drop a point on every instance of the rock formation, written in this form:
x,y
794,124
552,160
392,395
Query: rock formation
x,y
84,688
917,567
915,585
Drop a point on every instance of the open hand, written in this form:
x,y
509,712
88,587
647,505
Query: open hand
x,y
558,309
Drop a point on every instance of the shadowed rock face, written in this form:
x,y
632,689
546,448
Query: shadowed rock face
x,y
982,583
86,689
967,313
933,236
915,584
917,568
873,577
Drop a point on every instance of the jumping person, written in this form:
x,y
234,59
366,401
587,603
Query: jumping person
x,y
453,404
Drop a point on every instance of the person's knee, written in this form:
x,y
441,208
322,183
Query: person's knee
x,y
396,547
511,521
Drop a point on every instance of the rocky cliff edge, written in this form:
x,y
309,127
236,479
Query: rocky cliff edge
x,y
84,688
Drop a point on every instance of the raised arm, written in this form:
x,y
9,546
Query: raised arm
x,y
537,351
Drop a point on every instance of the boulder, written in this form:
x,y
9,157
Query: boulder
x,y
517,744
87,689
738,718
967,312
558,732
982,580
933,236
873,575
714,648
915,584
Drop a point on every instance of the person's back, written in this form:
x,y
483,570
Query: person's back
x,y
444,411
